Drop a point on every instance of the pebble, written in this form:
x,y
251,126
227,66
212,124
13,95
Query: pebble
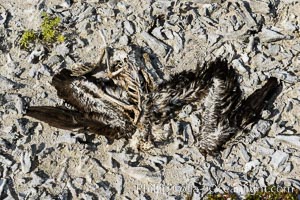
x,y
178,143
26,161
160,48
286,76
119,185
25,126
160,160
271,179
169,34
36,180
287,168
123,6
62,50
260,7
179,158
142,174
5,161
3,15
264,151
81,42
289,105
36,55
251,43
237,64
123,40
213,39
268,35
158,33
261,182
53,60
78,182
16,103
195,122
290,139
128,28
251,165
7,84
66,3
278,159
179,43
66,138
175,127
243,152
87,13
263,126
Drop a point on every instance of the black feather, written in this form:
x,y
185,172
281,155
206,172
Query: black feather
x,y
76,121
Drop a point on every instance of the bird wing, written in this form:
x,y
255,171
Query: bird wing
x,y
223,96
184,88
93,111
74,120
86,95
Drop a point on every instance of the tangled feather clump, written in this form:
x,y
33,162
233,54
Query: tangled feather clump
x,y
134,97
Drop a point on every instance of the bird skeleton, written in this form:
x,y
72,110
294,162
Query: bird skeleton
x,y
132,96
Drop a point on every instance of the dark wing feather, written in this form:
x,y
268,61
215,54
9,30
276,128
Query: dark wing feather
x,y
183,88
224,95
86,96
92,113
74,120
57,117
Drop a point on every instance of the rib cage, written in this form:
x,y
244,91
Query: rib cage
x,y
135,97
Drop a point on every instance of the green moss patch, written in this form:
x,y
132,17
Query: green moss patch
x,y
48,34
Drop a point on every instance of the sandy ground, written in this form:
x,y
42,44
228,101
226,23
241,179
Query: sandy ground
x,y
259,38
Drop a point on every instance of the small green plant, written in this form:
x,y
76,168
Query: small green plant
x,y
60,38
49,27
28,37
48,33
